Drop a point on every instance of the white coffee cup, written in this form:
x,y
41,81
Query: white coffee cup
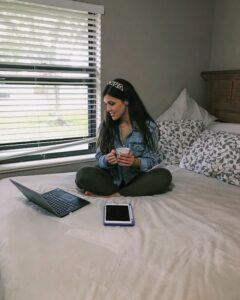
x,y
122,150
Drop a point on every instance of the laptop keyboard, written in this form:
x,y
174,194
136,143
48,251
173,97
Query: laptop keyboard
x,y
61,206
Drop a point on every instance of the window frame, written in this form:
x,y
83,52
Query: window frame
x,y
91,84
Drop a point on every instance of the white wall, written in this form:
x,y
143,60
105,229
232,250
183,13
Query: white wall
x,y
225,53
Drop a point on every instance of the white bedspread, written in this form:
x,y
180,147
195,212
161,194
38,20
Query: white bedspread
x,y
185,245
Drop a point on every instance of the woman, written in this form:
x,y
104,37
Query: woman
x,y
126,124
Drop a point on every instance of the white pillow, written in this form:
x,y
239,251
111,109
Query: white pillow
x,y
186,108
228,127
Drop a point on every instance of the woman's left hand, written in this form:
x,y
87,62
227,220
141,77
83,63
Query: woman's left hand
x,y
127,160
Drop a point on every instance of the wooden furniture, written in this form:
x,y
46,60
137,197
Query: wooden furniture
x,y
224,94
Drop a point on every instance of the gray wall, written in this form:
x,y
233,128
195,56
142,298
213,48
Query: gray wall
x,y
225,54
161,46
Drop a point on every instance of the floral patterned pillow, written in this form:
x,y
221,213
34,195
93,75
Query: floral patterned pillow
x,y
215,154
176,137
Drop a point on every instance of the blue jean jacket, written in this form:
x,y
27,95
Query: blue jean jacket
x,y
134,141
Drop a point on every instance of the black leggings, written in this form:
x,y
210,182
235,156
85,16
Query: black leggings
x,y
100,182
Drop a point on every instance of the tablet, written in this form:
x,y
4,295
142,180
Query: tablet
x,y
118,214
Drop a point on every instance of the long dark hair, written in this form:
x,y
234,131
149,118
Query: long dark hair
x,y
137,112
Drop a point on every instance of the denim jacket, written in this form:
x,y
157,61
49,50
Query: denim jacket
x,y
134,141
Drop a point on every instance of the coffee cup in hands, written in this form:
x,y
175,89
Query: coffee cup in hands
x,y
122,150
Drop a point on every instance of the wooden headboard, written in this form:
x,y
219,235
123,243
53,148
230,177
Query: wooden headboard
x,y
224,94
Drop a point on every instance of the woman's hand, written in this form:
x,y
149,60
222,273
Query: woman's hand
x,y
128,160
112,157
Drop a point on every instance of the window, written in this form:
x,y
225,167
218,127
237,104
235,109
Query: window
x,y
49,78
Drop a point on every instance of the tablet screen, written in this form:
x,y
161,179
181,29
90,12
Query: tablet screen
x,y
117,213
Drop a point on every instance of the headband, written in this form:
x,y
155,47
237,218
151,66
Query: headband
x,y
116,84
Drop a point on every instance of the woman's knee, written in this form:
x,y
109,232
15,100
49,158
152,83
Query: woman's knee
x,y
167,175
84,175
95,180
163,176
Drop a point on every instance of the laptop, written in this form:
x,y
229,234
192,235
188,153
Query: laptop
x,y
57,201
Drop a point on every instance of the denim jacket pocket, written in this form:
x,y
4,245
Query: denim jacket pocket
x,y
137,149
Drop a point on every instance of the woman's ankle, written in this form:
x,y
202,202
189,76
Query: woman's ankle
x,y
87,193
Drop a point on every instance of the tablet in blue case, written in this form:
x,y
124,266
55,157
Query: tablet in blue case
x,y
118,214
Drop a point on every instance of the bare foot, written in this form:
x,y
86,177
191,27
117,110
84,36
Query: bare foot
x,y
89,194
104,196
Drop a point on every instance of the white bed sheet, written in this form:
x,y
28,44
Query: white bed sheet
x,y
184,246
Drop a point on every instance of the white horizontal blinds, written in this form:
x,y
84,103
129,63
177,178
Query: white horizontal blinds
x,y
36,34
44,112
49,75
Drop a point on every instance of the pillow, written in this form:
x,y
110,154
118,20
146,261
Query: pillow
x,y
186,108
221,126
175,137
215,154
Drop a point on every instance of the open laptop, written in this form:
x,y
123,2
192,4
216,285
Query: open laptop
x,y
57,201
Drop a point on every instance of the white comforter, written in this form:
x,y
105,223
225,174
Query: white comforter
x,y
185,245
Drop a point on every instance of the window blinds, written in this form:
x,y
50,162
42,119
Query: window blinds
x,y
49,77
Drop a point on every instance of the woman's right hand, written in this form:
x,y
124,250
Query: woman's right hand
x,y
112,157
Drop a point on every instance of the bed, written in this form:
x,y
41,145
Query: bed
x,y
184,245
